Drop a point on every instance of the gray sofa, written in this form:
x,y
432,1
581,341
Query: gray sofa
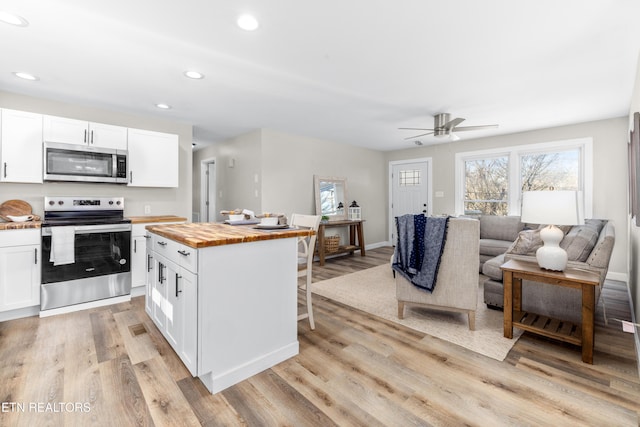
x,y
589,247
497,234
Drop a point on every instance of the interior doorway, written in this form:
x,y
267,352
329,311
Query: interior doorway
x,y
208,190
409,190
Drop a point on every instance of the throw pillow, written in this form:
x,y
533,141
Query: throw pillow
x,y
581,240
528,242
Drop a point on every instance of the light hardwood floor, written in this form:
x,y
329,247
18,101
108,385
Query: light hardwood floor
x,y
111,367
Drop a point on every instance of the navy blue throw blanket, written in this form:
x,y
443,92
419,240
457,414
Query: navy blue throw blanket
x,y
419,248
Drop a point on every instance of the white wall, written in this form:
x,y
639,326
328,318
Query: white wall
x,y
285,165
291,161
163,201
609,164
238,162
634,231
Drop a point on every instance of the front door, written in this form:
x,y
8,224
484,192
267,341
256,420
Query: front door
x,y
410,190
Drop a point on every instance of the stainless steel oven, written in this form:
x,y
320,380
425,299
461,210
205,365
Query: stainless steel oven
x,y
86,251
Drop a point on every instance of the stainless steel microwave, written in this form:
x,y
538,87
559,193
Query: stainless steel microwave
x,y
72,162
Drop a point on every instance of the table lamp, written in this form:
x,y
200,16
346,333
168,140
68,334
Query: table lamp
x,y
552,208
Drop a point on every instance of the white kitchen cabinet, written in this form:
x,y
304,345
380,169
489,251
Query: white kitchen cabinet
x,y
72,131
21,146
174,295
139,255
153,159
150,277
19,269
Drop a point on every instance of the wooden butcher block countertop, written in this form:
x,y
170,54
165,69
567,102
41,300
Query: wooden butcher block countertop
x,y
202,235
155,218
20,225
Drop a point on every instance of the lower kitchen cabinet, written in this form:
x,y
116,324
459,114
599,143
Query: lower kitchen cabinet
x,y
139,255
173,291
19,269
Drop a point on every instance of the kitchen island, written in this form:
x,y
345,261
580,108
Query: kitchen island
x,y
224,297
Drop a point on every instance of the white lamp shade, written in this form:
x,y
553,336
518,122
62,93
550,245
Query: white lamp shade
x,y
553,207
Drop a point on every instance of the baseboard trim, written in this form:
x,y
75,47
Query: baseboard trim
x,y
227,379
377,245
620,277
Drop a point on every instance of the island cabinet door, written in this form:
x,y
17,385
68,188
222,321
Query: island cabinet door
x,y
159,295
150,278
186,314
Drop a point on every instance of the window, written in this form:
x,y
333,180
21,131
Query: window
x,y
491,182
409,178
486,185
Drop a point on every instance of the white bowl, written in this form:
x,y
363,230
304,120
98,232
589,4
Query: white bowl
x,y
270,220
236,217
21,218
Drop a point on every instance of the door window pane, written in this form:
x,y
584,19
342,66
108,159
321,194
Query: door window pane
x,y
409,178
487,186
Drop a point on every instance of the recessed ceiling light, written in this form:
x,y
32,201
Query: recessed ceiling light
x,y
194,75
25,76
164,106
247,22
10,18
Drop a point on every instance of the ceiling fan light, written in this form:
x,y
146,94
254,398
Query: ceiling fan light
x,y
247,22
455,137
26,76
10,18
196,75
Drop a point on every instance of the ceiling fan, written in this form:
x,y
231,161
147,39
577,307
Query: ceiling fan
x,y
443,125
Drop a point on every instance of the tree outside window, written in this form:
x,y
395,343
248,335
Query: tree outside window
x,y
487,180
487,186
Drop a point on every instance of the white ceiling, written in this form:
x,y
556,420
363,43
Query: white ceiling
x,y
347,71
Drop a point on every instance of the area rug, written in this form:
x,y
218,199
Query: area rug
x,y
374,291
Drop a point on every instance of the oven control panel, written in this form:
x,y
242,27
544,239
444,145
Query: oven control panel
x,y
83,203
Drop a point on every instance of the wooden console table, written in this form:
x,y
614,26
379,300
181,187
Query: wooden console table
x,y
515,271
356,238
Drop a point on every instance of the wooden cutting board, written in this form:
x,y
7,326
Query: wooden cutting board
x,y
16,208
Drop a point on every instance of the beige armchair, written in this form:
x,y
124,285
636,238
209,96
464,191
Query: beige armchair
x,y
457,281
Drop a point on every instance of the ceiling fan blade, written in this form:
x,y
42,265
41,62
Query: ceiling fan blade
x,y
414,129
452,123
475,128
417,136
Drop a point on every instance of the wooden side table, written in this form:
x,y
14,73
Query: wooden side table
x,y
515,271
356,238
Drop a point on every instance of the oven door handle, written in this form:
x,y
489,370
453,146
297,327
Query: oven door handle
x,y
88,229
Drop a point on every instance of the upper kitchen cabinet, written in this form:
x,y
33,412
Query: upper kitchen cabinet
x,y
71,131
153,159
20,146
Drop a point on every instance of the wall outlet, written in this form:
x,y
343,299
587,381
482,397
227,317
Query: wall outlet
x,y
147,209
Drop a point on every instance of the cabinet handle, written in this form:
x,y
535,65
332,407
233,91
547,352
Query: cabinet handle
x,y
162,243
160,276
85,136
177,291
5,169
135,246
35,256
149,258
147,236
130,177
91,137
183,252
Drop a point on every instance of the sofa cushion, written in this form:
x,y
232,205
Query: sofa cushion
x,y
580,241
494,247
492,269
527,243
500,227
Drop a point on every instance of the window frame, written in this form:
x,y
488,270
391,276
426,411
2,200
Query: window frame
x,y
514,153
